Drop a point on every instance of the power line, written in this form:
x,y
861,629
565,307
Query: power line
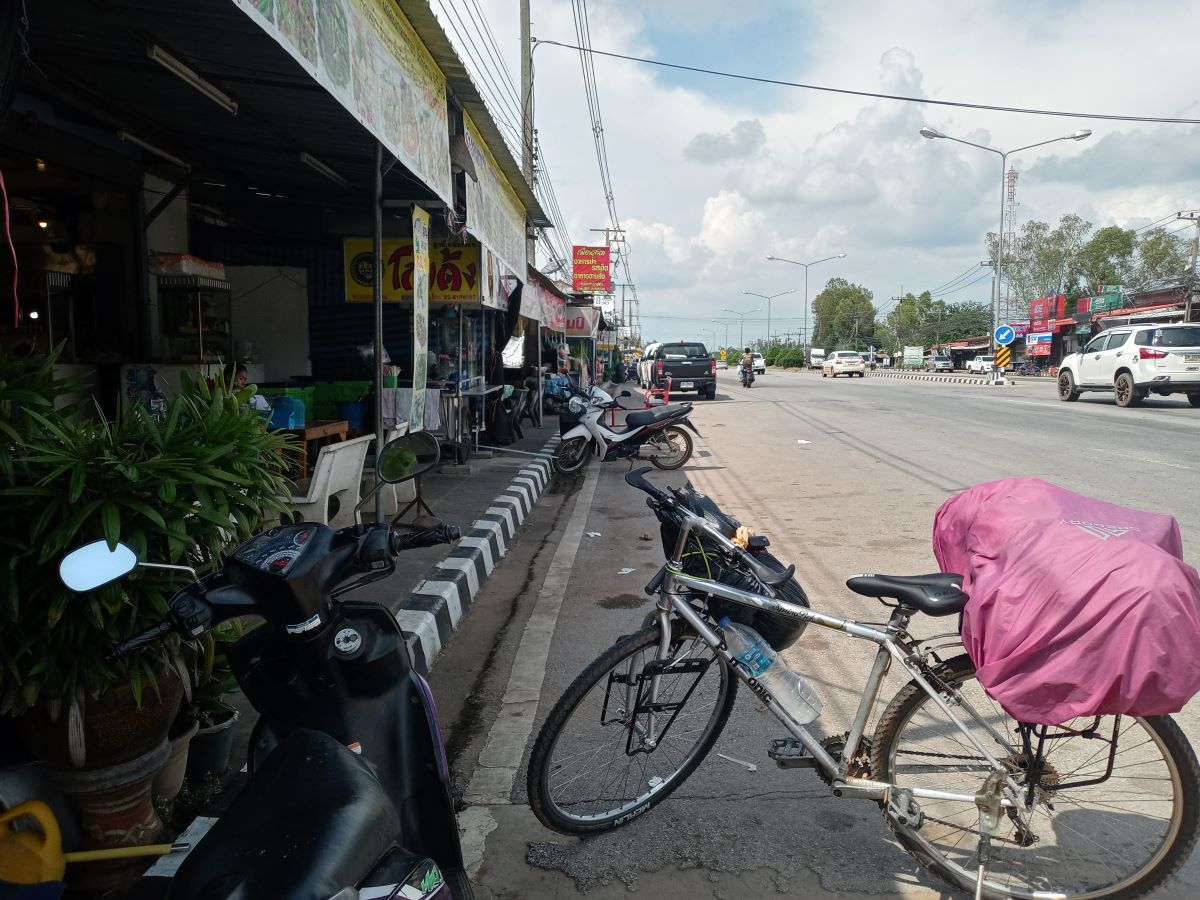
x,y
900,97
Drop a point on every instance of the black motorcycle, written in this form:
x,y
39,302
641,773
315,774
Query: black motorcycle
x,y
349,783
747,376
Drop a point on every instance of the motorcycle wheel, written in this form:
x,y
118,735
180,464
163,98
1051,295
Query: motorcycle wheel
x,y
671,448
572,455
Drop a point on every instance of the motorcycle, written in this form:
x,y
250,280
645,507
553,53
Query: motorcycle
x,y
653,434
747,376
349,784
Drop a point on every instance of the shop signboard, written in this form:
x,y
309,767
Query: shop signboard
x,y
582,321
1038,344
453,271
590,269
367,55
1020,329
1040,312
1105,302
914,356
494,212
420,320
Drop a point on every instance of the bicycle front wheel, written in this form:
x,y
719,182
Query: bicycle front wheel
x,y
603,757
1108,807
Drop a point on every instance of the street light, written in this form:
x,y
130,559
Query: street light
x,y
705,332
726,324
804,326
742,326
769,299
934,134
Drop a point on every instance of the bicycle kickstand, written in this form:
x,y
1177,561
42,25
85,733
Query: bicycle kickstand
x,y
988,802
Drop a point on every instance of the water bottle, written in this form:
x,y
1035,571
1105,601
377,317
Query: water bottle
x,y
790,690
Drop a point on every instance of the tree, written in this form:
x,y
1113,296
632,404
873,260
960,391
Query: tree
x,y
843,316
1043,260
1161,257
919,320
1108,258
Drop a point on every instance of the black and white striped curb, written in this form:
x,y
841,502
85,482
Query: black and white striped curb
x,y
439,603
949,379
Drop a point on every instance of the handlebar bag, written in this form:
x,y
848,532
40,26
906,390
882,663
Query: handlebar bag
x,y
1078,607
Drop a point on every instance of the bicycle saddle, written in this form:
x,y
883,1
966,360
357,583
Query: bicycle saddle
x,y
939,594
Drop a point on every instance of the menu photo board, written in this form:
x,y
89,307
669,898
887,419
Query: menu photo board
x,y
590,268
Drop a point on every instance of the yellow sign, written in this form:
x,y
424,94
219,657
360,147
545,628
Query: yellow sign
x,y
453,271
722,354
1003,357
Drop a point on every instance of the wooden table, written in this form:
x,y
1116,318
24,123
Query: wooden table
x,y
317,430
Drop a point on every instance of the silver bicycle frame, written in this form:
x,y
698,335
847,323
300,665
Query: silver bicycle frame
x,y
890,650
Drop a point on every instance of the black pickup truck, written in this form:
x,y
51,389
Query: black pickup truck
x,y
686,363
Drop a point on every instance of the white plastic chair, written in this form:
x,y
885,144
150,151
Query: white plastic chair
x,y
338,473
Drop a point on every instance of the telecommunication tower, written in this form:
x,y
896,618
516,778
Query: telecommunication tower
x,y
1010,235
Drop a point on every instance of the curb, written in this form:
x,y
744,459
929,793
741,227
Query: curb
x,y
438,604
949,379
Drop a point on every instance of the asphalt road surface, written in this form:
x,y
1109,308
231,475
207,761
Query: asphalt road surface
x,y
844,476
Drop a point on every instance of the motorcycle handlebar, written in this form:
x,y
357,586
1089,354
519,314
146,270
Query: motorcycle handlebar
x,y
146,637
444,534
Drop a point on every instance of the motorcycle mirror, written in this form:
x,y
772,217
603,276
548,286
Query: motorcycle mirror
x,y
94,564
407,457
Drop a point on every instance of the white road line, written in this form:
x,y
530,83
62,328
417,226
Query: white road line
x,y
492,780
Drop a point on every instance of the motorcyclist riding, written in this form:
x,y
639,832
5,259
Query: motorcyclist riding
x,y
746,365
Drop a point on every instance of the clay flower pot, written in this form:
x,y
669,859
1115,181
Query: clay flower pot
x,y
169,779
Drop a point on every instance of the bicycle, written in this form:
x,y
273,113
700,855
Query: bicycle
x,y
1102,807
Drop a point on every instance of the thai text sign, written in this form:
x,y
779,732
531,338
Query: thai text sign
x,y
590,268
1038,344
1040,311
366,54
453,271
494,212
914,356
582,321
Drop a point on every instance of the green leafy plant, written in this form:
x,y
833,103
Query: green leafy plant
x,y
177,491
211,675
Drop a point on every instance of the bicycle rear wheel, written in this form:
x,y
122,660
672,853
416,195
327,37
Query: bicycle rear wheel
x,y
1089,833
595,765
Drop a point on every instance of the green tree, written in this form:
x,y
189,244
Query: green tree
x,y
1109,257
844,316
1044,261
1161,257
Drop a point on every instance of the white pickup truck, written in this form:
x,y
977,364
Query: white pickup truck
x,y
816,358
981,365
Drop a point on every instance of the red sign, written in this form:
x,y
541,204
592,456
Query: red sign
x,y
1020,329
1039,313
590,269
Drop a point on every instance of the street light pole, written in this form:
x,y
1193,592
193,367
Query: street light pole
x,y
804,325
742,327
726,324
769,299
934,134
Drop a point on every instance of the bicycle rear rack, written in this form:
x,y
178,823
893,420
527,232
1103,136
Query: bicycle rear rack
x,y
642,705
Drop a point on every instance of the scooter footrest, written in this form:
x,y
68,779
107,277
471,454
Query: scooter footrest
x,y
789,753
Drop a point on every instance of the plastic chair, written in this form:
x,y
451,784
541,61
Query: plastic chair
x,y
516,410
336,480
388,491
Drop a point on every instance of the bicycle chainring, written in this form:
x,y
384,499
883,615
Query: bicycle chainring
x,y
835,746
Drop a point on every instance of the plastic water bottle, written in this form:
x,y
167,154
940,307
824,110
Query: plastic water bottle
x,y
790,690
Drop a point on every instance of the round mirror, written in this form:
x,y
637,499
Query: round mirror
x,y
407,457
95,564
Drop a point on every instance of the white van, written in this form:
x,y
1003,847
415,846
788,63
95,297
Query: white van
x,y
816,358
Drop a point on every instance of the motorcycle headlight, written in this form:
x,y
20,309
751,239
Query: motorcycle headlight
x,y
576,405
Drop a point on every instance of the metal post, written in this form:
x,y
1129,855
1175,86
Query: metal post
x,y
527,114
804,324
999,254
377,300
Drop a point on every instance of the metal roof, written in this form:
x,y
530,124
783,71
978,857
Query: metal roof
x,y
429,29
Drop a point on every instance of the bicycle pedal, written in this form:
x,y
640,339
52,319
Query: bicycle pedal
x,y
789,753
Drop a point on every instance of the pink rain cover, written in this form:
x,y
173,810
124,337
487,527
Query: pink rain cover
x,y
1078,607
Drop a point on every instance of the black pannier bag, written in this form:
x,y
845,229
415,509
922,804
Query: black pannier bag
x,y
703,560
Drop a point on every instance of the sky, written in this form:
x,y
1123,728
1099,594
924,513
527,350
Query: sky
x,y
710,175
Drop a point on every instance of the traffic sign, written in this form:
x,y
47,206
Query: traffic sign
x,y
1004,335
1003,357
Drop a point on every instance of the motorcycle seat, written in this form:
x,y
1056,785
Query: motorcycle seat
x,y
312,821
649,416
939,594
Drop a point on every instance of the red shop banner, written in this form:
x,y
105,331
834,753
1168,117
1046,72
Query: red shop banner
x,y
590,269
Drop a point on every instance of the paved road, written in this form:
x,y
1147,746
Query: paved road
x,y
844,476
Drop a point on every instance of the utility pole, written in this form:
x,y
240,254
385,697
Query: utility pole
x,y
1194,218
527,118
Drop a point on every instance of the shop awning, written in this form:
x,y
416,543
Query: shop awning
x,y
1159,311
983,346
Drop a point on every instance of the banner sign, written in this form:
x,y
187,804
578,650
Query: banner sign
x,y
1040,311
590,269
914,356
494,212
453,271
366,54
420,268
582,321
1020,329
1038,344
541,305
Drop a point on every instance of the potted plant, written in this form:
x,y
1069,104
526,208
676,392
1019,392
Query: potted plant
x,y
177,489
212,683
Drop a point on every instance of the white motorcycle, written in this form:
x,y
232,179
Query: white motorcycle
x,y
653,434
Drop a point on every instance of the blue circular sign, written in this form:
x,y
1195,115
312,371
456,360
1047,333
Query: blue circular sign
x,y
1005,335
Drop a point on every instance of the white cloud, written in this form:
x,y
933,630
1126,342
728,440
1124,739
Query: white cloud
x,y
743,140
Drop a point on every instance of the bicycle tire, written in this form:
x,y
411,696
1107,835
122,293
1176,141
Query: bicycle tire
x,y
1178,841
687,453
541,760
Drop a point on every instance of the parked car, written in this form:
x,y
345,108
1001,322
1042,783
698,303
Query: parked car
x,y
1135,361
981,365
722,364
939,364
843,362
760,364
686,363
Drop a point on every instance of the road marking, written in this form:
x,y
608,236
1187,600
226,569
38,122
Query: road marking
x,y
803,442
492,780
1144,459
